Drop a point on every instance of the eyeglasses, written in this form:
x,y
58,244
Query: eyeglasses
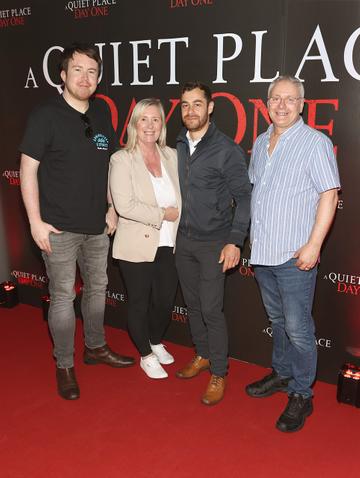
x,y
88,130
288,100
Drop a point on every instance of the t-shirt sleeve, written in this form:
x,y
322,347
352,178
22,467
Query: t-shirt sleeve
x,y
114,143
323,167
37,135
103,109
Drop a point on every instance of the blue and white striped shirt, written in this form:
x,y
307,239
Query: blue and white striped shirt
x,y
287,187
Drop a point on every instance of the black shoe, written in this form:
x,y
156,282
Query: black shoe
x,y
67,385
294,416
268,385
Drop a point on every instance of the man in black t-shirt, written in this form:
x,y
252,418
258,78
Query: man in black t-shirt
x,y
64,167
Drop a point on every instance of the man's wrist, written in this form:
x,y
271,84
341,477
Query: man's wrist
x,y
35,220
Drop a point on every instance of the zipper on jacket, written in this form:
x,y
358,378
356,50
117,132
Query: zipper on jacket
x,y
187,180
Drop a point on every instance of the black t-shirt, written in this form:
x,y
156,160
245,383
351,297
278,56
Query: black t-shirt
x,y
73,168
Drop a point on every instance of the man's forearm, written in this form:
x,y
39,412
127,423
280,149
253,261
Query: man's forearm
x,y
324,217
30,188
241,221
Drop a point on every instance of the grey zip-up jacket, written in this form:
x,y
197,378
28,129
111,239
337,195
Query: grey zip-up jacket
x,y
215,188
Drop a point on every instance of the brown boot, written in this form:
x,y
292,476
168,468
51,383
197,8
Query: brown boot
x,y
67,385
215,391
104,355
192,369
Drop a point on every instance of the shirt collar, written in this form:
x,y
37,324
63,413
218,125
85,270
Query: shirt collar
x,y
289,132
191,141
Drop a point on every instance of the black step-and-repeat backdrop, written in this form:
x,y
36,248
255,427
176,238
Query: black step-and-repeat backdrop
x,y
150,47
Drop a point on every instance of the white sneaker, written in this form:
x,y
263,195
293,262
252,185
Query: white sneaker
x,y
152,367
162,354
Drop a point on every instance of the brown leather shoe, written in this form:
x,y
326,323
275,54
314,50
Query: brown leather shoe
x,y
192,369
104,355
215,391
67,385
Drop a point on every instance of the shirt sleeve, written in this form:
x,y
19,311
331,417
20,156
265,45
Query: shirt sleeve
x,y
37,135
323,166
114,143
251,165
113,140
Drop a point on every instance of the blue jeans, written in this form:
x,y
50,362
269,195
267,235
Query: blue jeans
x,y
91,252
288,293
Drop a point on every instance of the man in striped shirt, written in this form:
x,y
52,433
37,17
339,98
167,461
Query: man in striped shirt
x,y
295,191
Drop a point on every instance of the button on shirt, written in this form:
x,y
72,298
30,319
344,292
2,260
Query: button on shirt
x,y
286,192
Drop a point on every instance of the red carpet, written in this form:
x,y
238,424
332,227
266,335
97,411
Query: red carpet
x,y
128,426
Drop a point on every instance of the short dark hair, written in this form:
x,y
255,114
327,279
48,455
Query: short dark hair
x,y
77,47
191,85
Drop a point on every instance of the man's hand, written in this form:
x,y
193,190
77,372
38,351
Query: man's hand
x,y
229,257
307,257
111,220
40,232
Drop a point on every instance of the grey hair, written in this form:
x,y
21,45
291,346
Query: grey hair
x,y
135,116
291,79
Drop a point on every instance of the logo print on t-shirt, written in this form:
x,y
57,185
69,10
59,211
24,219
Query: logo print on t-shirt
x,y
101,142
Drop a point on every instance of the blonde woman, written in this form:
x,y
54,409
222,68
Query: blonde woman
x,y
145,189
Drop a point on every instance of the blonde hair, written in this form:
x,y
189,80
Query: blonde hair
x,y
135,116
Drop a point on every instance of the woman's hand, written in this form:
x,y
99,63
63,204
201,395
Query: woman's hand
x,y
171,214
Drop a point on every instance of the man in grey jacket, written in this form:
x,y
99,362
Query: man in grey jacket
x,y
215,191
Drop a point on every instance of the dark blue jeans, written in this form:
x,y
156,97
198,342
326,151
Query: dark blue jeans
x,y
288,293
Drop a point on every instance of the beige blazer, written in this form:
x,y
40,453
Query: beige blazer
x,y
138,232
